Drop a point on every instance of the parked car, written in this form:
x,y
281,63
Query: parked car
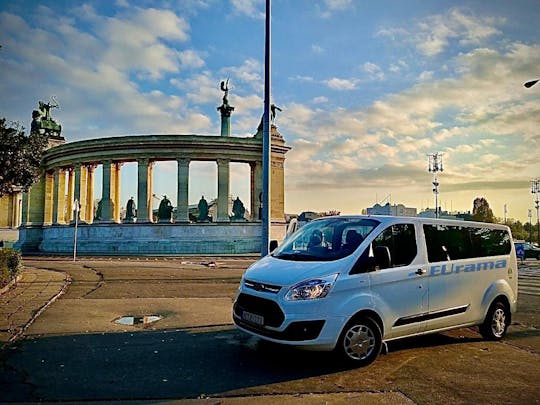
x,y
529,250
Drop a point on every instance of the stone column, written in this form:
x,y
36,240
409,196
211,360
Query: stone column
x,y
223,190
62,174
106,209
49,201
83,193
24,209
182,211
256,190
90,194
69,202
115,190
56,196
144,195
76,191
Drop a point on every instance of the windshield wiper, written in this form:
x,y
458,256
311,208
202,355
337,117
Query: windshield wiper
x,y
298,256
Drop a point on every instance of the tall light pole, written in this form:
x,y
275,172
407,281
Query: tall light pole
x,y
535,190
530,225
265,237
435,165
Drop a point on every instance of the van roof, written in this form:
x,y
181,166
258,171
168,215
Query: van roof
x,y
388,219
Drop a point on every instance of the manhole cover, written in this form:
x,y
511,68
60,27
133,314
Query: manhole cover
x,y
137,320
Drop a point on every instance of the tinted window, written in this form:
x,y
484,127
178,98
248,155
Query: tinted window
x,y
446,242
401,242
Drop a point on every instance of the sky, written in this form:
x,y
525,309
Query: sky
x,y
368,89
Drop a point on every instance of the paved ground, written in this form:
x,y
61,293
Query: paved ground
x,y
74,351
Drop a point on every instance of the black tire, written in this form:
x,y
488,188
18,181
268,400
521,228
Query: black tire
x,y
497,321
360,341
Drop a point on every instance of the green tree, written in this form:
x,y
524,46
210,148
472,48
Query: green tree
x,y
20,157
481,211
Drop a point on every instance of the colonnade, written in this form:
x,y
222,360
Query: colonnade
x,y
58,205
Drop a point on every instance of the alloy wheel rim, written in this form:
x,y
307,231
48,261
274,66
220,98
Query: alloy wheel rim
x,y
498,323
359,342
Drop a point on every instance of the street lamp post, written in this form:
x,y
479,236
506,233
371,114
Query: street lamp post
x,y
435,165
530,225
265,239
535,190
77,209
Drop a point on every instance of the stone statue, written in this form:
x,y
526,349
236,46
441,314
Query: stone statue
x,y
42,121
273,109
131,211
238,210
225,109
165,210
98,210
203,210
225,87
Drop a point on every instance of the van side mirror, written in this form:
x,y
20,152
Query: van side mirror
x,y
273,245
383,259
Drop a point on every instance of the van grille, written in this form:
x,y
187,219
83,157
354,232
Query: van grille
x,y
254,285
270,310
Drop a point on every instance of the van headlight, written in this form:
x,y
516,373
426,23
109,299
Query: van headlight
x,y
311,289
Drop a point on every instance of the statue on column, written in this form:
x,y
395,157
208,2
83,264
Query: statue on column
x,y
131,211
225,109
203,210
273,109
238,210
165,210
43,123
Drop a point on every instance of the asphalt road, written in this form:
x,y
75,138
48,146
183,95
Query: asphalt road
x,y
74,351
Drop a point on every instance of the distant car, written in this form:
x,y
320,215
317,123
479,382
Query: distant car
x,y
530,251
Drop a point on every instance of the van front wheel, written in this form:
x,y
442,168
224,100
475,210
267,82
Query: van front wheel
x,y
360,341
496,322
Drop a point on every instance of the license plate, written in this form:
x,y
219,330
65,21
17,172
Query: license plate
x,y
253,318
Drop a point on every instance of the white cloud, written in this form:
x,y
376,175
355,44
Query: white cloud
x,y
317,48
190,59
341,84
433,34
250,8
330,7
374,71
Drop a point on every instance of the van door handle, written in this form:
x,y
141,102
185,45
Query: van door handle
x,y
420,271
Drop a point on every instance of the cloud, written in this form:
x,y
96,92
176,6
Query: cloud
x,y
434,34
341,84
250,8
481,119
190,59
329,7
374,71
317,49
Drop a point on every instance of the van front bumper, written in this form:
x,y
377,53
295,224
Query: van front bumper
x,y
309,329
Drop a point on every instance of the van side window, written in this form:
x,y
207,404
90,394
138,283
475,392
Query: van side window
x,y
400,240
445,242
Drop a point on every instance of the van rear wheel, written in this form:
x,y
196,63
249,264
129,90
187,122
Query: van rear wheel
x,y
360,341
496,323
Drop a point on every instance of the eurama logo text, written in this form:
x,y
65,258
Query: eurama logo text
x,y
466,268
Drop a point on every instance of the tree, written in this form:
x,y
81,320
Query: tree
x,y
481,211
20,157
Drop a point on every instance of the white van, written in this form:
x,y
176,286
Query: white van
x,y
351,283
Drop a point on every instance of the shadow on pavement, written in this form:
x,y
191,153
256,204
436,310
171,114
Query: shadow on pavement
x,y
159,365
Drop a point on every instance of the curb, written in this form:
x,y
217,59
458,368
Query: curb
x,y
11,284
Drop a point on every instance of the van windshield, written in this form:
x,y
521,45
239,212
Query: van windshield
x,y
326,239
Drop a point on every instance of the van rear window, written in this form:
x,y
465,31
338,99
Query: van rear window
x,y
445,242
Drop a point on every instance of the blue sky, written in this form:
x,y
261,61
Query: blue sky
x,y
367,89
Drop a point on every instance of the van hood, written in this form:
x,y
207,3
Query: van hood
x,y
287,273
